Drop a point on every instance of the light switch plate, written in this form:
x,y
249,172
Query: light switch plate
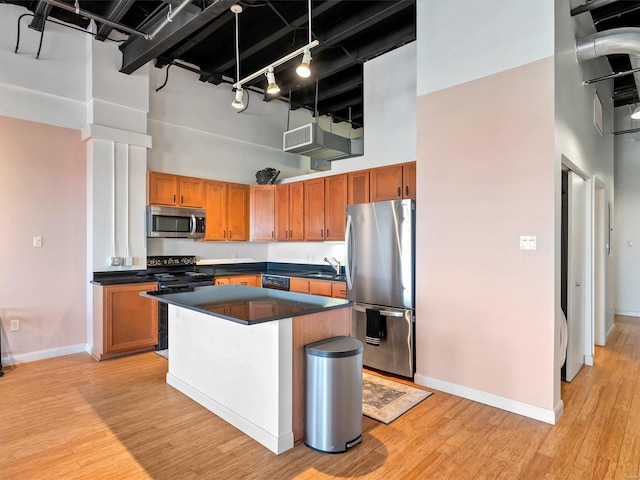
x,y
527,242
37,242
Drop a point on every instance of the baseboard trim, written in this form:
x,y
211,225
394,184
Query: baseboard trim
x,y
628,313
588,360
11,360
503,403
274,443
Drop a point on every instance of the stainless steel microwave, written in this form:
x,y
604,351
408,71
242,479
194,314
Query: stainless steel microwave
x,y
173,222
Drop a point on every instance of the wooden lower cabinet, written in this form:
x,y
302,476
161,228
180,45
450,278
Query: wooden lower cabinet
x,y
123,321
318,287
246,280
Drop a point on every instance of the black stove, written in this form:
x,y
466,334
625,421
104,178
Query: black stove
x,y
175,274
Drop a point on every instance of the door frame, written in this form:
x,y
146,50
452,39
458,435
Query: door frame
x,y
588,315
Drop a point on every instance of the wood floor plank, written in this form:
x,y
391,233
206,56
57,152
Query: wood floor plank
x,y
73,418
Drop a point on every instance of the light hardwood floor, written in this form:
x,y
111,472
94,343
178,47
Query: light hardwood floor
x,y
71,417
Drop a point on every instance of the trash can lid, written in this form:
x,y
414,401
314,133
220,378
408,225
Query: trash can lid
x,y
335,347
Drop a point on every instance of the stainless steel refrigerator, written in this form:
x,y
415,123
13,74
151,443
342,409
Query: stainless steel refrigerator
x,y
379,265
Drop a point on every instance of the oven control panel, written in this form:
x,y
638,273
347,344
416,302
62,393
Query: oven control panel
x,y
176,260
275,281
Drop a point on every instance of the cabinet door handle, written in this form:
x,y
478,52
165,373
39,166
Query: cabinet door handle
x,y
272,236
286,234
224,234
290,234
399,191
327,233
174,198
181,198
230,234
406,189
321,233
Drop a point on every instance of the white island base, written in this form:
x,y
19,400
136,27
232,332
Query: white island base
x,y
252,376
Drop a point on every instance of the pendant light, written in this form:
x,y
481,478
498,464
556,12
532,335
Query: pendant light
x,y
272,86
304,69
238,100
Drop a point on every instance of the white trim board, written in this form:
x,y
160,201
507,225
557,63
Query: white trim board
x,y
503,403
627,313
44,354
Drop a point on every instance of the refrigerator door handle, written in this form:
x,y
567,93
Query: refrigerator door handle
x,y
347,244
384,313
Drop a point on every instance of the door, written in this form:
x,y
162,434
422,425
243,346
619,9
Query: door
x,y
379,243
395,354
576,230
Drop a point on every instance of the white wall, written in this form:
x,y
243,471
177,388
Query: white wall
x,y
577,139
626,234
485,312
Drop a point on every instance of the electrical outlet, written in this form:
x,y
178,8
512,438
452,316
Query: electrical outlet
x,y
15,325
116,261
128,261
37,242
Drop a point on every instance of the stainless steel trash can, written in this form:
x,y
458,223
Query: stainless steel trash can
x,y
333,416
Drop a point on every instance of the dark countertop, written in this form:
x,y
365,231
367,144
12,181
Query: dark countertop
x,y
312,272
117,278
249,305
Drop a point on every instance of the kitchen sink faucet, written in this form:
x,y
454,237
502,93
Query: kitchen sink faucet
x,y
336,266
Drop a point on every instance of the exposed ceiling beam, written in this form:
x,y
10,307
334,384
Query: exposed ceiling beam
x,y
117,10
345,85
230,61
360,22
326,68
136,52
40,14
590,5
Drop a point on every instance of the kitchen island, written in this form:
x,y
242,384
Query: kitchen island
x,y
239,352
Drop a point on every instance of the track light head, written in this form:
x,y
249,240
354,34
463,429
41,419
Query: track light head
x,y
238,102
272,86
304,70
636,114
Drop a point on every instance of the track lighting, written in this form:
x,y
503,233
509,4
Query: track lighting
x,y
272,86
238,102
636,113
303,69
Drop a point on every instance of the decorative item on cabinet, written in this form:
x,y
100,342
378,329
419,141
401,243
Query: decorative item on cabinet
x,y
267,176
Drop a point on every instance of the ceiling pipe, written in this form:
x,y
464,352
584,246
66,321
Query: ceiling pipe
x,y
609,42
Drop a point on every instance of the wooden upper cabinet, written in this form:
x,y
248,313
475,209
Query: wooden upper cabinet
x,y
289,217
335,203
263,212
237,211
162,189
174,190
216,207
191,192
393,182
386,183
358,187
314,209
296,211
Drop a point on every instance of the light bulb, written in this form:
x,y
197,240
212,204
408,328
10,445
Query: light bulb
x,y
272,86
636,114
237,102
303,69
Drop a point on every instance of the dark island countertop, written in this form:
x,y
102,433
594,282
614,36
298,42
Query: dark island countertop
x,y
249,305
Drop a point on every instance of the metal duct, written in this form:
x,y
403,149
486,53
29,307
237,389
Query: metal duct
x,y
609,42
